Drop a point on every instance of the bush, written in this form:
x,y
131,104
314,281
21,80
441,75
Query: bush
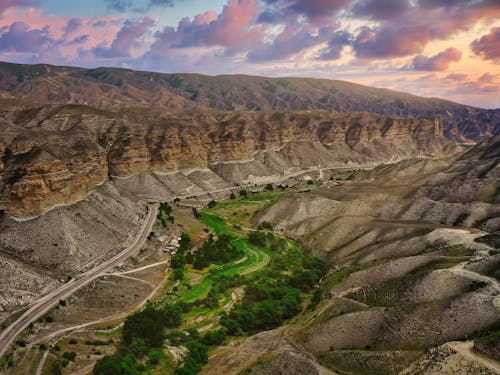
x,y
212,204
266,225
243,193
213,338
257,238
70,356
72,342
178,273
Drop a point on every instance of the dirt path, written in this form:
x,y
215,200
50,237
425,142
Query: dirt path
x,y
98,321
465,349
39,369
258,266
141,268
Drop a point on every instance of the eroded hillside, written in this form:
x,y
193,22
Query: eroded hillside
x,y
53,155
413,254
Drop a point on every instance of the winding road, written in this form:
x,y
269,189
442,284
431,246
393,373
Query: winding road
x,y
46,303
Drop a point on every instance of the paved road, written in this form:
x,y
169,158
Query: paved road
x,y
49,301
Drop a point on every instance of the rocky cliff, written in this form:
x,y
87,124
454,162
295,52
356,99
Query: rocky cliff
x,y
122,88
53,155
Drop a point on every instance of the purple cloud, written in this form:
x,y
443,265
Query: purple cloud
x,y
337,41
438,62
289,42
488,46
126,39
72,25
19,38
234,28
379,9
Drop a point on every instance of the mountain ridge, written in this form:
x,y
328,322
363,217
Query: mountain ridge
x,y
120,88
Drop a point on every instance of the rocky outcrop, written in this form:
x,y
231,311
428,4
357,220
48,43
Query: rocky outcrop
x,y
58,154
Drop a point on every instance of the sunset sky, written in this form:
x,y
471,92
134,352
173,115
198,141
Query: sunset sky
x,y
440,48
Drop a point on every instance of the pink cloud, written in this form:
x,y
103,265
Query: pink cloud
x,y
205,18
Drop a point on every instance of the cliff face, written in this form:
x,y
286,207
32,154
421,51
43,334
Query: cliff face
x,y
122,88
54,155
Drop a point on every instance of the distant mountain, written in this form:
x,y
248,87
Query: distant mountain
x,y
119,88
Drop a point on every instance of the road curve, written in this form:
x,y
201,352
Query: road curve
x,y
44,304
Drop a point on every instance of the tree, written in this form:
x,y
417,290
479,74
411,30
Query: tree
x,y
185,241
147,324
243,193
268,315
178,273
232,196
216,337
198,351
108,365
138,347
257,238
269,187
172,315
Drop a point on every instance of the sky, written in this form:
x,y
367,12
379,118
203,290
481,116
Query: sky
x,y
433,48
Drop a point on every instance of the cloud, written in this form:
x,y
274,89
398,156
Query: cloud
x,y
336,43
126,39
317,12
234,28
6,4
118,5
18,37
290,41
72,26
169,3
410,32
438,62
379,9
126,5
482,92
456,76
488,46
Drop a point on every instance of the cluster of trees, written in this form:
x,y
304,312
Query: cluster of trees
x,y
165,213
273,297
265,306
178,260
56,368
267,239
143,333
198,349
214,251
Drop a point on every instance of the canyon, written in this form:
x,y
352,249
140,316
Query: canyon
x,y
409,237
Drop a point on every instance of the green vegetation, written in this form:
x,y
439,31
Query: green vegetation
x,y
218,280
165,214
220,250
